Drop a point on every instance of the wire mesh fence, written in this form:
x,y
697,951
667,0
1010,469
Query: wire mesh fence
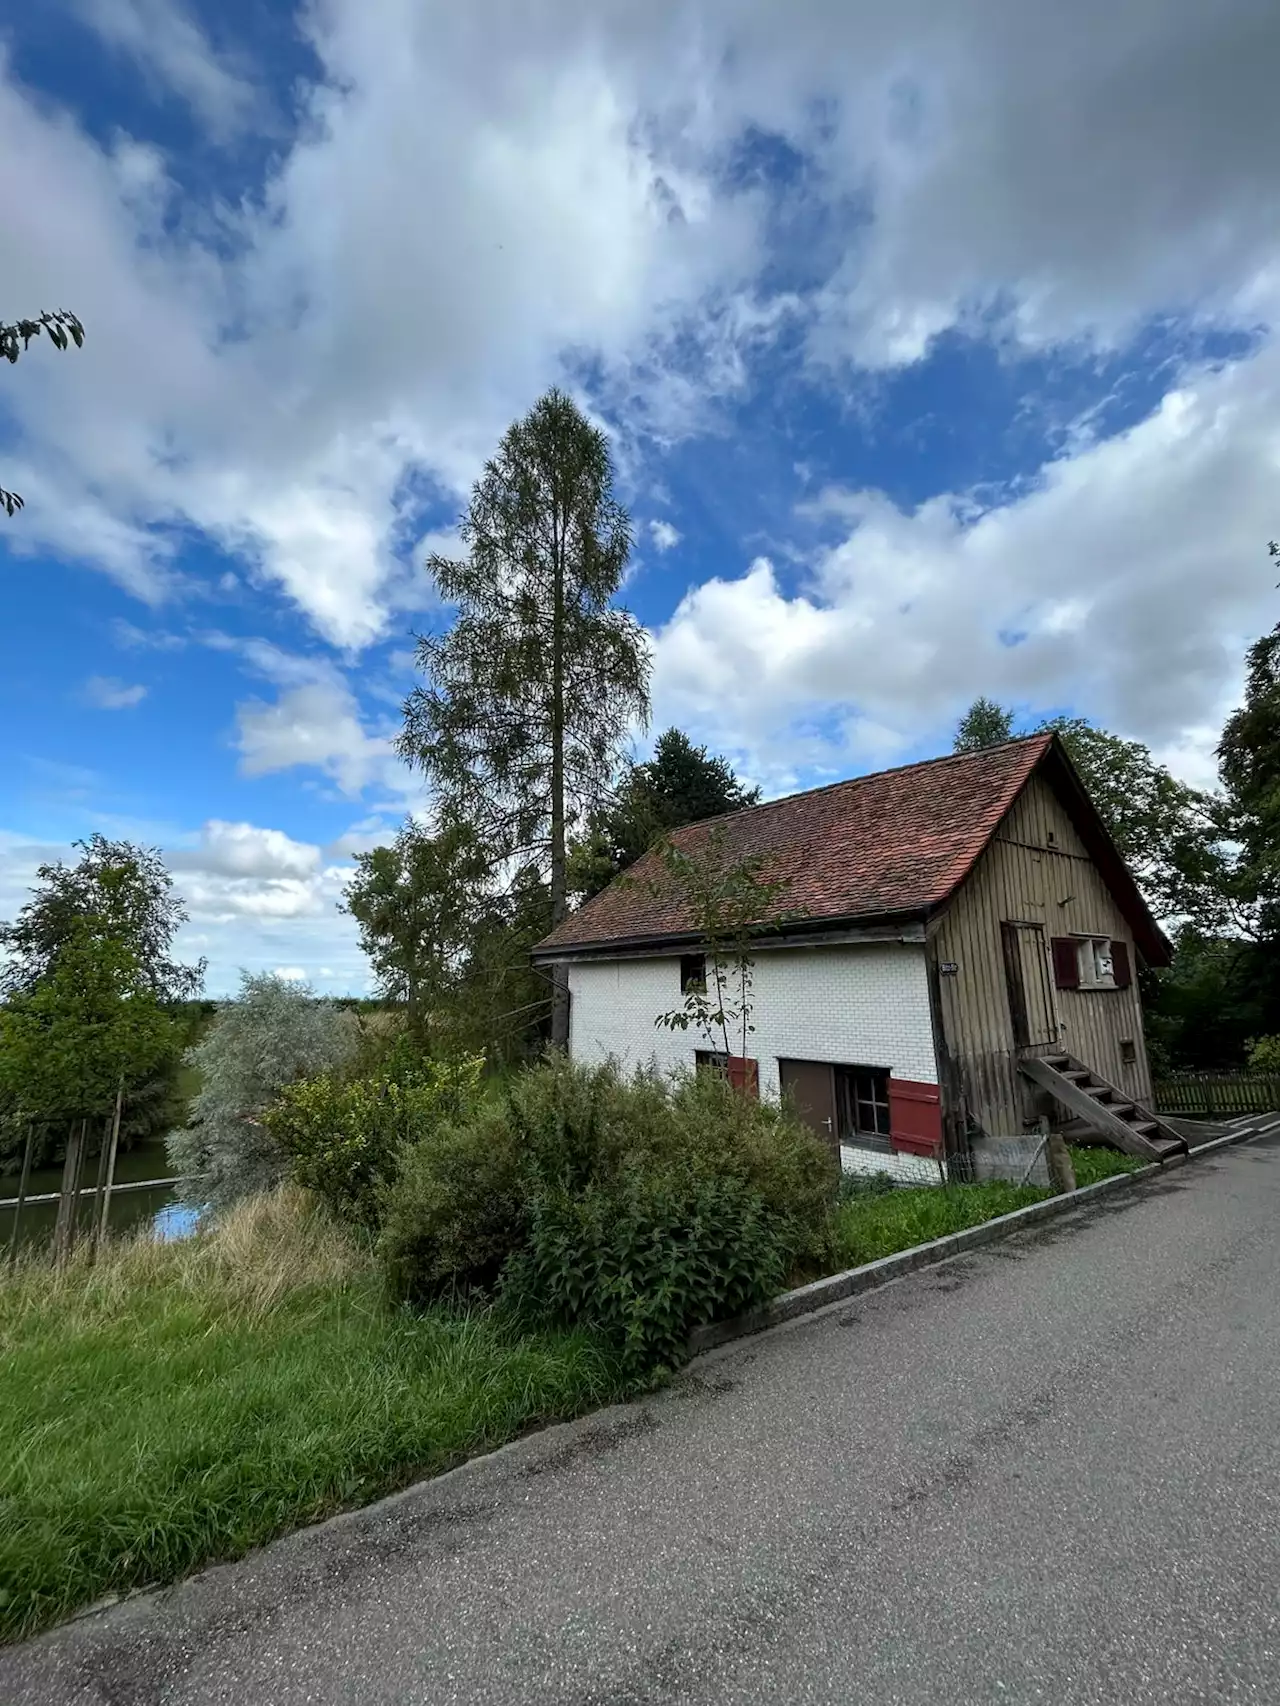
x,y
1021,1160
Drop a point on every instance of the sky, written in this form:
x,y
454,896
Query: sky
x,y
936,346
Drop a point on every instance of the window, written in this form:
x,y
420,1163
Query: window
x,y
693,974
1091,962
862,1106
707,1060
1097,969
1128,1051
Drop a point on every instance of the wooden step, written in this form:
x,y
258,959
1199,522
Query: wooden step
x,y
1114,1117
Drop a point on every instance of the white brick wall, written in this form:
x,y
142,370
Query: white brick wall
x,y
861,1006
906,1169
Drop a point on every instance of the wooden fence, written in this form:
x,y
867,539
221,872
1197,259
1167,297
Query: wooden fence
x,y
1218,1095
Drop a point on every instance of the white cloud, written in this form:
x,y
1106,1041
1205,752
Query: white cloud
x,y
106,693
1130,576
317,726
171,47
130,637
664,535
258,899
243,850
477,194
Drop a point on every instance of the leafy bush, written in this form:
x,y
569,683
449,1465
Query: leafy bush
x,y
639,1206
274,1034
645,1264
1264,1054
344,1137
459,1208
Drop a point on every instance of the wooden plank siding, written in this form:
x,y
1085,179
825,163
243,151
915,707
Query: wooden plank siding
x,y
1035,871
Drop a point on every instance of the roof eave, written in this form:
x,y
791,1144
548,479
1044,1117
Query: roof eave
x,y
546,952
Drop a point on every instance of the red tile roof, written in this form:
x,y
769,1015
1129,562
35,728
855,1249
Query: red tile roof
x,y
894,843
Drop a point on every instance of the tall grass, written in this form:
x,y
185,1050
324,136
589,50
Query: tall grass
x,y
1094,1162
870,1226
175,1404
874,1223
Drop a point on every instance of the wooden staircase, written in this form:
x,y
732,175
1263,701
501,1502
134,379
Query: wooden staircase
x,y
1102,1113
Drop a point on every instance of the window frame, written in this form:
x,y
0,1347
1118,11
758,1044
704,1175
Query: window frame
x,y
1087,960
711,1060
693,982
864,1107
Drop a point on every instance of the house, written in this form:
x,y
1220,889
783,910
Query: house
x,y
958,958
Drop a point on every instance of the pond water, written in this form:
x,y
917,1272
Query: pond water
x,y
129,1210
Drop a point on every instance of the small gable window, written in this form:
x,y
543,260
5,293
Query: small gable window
x,y
1097,970
693,974
1091,962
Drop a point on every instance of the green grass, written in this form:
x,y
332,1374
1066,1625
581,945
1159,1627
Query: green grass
x,y
185,1403
869,1226
872,1223
1092,1164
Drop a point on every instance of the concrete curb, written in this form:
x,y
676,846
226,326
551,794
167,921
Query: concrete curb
x,y
834,1288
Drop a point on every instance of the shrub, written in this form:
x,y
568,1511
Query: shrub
x,y
767,1148
457,1211
274,1034
644,1264
579,1125
1264,1054
344,1138
640,1206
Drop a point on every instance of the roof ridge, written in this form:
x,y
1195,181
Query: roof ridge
x,y
1042,735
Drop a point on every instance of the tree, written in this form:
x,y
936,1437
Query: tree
x,y
1167,832
274,1034
128,895
416,903
59,327
680,784
502,1004
75,1044
533,689
730,902
985,723
71,1041
1249,764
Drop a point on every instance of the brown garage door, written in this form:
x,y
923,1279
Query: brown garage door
x,y
810,1085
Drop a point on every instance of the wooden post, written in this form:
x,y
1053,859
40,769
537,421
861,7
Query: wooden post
x,y
1062,1175
23,1182
104,1143
111,1162
64,1231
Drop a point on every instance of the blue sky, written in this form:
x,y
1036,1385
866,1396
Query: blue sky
x,y
936,352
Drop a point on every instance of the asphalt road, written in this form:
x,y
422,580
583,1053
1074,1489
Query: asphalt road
x,y
1045,1472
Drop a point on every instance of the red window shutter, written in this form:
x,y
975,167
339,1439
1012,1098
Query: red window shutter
x,y
915,1117
744,1075
1120,967
1066,962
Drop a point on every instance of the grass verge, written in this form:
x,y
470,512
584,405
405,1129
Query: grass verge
x,y
1093,1164
876,1223
869,1226
179,1404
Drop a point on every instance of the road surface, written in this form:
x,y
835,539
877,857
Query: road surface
x,y
1049,1472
